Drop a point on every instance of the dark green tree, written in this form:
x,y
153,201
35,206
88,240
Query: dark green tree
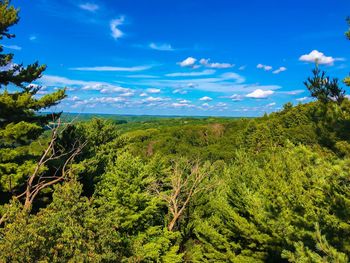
x,y
323,88
20,125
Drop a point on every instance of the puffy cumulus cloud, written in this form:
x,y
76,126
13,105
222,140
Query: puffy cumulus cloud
x,y
153,91
206,62
260,94
191,74
161,47
116,33
281,69
318,57
188,62
91,7
264,67
205,98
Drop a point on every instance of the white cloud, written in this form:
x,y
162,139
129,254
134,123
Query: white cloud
x,y
293,92
236,97
260,94
32,38
242,67
142,76
231,75
205,98
181,105
281,69
271,104
184,101
191,74
188,62
110,68
114,24
302,99
153,91
51,80
91,7
264,67
143,94
74,98
107,99
102,87
206,63
161,47
318,57
14,47
155,99
127,94
107,89
180,91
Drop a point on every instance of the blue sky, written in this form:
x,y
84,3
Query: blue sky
x,y
183,57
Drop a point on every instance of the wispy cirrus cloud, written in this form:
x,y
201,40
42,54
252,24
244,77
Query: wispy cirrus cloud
x,y
102,87
161,47
279,70
112,68
114,24
191,74
14,47
91,7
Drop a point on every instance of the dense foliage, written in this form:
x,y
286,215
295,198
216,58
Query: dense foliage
x,y
20,127
270,189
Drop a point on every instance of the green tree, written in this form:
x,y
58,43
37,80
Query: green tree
x,y
20,125
323,88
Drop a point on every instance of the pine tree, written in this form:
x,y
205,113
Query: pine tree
x,y
323,88
20,125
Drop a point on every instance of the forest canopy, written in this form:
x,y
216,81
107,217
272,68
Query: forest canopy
x,y
268,189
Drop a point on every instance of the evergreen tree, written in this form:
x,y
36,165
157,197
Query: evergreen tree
x,y
323,88
20,124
